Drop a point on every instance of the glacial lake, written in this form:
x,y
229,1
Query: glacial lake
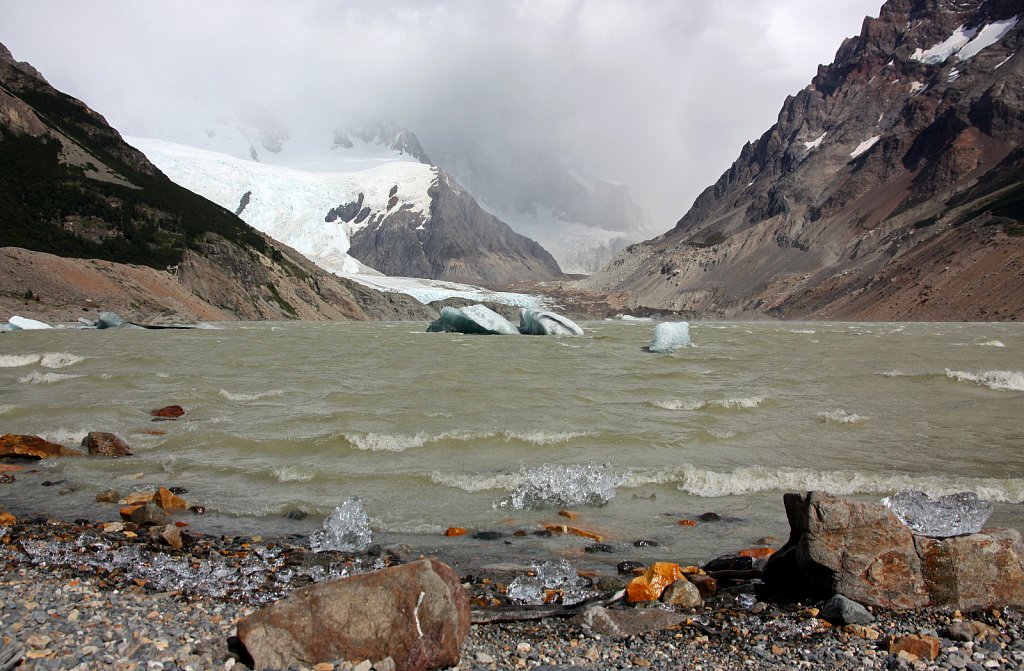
x,y
436,430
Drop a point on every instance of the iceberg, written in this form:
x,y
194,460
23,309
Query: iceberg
x,y
544,322
346,530
558,486
551,575
669,336
954,515
24,324
477,319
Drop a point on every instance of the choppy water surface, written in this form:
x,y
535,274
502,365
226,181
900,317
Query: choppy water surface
x,y
434,430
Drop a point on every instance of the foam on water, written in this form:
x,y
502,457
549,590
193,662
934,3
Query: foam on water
x,y
476,482
293,474
18,360
726,403
993,379
807,331
993,343
36,377
59,359
4,409
545,437
840,416
559,485
250,397
396,442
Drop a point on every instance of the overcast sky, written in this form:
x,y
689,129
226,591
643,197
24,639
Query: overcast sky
x,y
657,94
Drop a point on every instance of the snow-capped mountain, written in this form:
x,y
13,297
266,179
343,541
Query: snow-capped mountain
x,y
354,201
889,188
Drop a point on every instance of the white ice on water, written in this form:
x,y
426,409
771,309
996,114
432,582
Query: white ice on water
x,y
18,323
557,486
544,322
551,575
953,515
473,319
670,336
347,529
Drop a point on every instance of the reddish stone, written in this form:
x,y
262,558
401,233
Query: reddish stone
x,y
687,523
650,585
923,647
982,570
568,514
454,531
17,445
576,531
168,412
757,553
102,444
7,519
168,500
706,585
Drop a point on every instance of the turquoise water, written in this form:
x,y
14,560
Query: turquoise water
x,y
434,430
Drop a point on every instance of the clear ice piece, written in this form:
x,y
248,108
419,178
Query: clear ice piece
x,y
551,575
347,529
670,336
545,322
954,515
555,485
473,319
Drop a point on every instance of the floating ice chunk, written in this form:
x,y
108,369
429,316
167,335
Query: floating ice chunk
x,y
559,575
109,320
477,319
544,322
669,336
347,529
954,515
24,324
557,486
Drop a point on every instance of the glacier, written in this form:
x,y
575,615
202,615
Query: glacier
x,y
670,336
473,319
544,322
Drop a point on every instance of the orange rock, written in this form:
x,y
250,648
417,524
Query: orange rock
x,y
155,432
18,445
687,523
168,500
576,531
923,647
168,412
650,585
553,596
7,519
692,570
126,512
757,553
136,498
568,514
455,531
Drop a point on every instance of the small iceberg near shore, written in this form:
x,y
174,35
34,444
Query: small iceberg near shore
x,y
17,323
479,319
670,336
545,322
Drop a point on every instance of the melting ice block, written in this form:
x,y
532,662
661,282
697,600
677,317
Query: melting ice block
x,y
347,529
477,319
557,486
24,324
544,322
954,515
669,336
559,575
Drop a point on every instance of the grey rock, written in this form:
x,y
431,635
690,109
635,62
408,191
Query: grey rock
x,y
841,611
682,593
623,623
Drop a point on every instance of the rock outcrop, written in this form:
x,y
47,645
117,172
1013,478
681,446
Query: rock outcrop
x,y
891,187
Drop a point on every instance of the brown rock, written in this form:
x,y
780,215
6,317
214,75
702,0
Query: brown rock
x,y
168,500
6,478
171,535
650,585
127,511
168,412
982,570
757,553
860,550
923,647
682,593
136,498
455,531
7,519
706,585
101,444
568,514
17,445
417,614
575,531
148,515
108,496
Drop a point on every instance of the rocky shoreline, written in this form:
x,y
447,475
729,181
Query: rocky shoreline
x,y
83,595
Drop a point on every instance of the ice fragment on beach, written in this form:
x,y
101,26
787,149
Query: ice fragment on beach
x,y
670,336
18,323
473,319
558,486
954,515
559,575
347,529
544,322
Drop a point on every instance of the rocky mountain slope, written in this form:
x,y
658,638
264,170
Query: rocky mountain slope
x,y
356,200
891,187
90,223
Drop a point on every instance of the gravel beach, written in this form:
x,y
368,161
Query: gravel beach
x,y
88,595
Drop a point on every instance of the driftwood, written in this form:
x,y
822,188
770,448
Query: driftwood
x,y
523,613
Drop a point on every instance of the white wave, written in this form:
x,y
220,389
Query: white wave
x,y
59,360
545,437
35,377
993,379
752,479
293,474
839,416
17,360
476,482
894,373
64,436
4,408
727,403
398,442
557,485
251,397
993,343
807,331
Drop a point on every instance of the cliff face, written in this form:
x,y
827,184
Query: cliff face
x,y
90,223
891,187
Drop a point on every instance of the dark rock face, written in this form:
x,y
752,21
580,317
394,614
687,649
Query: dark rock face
x,y
100,443
889,188
417,614
457,242
863,552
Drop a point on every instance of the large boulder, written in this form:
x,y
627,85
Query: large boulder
x,y
860,550
417,614
863,552
18,445
103,444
